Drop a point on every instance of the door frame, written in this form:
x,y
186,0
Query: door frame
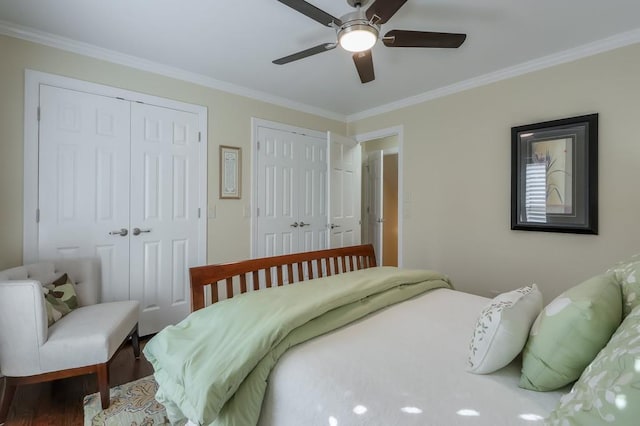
x,y
33,80
255,124
383,133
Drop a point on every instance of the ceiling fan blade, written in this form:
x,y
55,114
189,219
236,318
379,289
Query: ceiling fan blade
x,y
364,65
312,12
401,38
305,53
384,10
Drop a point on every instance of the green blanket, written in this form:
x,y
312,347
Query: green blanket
x,y
212,368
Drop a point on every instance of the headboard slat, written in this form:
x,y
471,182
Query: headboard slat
x,y
229,287
243,283
279,274
300,271
289,273
256,279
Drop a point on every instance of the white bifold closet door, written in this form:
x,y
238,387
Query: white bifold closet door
x,y
345,158
118,180
164,212
291,193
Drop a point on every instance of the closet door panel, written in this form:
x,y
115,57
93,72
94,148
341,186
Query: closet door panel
x,y
345,191
83,187
312,193
164,212
277,221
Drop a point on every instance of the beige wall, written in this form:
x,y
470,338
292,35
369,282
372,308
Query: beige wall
x,y
457,176
456,164
380,144
229,124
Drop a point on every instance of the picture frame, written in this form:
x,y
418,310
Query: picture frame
x,y
554,176
230,172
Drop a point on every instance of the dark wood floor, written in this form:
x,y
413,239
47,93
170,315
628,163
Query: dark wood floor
x,y
60,402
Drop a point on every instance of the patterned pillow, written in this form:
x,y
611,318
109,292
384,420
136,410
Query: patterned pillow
x,y
63,288
569,333
60,298
502,329
628,276
609,389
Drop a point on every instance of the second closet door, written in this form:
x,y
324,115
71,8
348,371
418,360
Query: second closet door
x,y
291,193
164,212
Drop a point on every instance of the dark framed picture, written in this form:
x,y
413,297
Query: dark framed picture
x,y
554,176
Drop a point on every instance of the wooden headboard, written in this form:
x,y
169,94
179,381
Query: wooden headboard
x,y
237,277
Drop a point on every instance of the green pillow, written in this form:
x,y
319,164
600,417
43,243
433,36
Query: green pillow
x,y
628,276
608,391
569,333
60,298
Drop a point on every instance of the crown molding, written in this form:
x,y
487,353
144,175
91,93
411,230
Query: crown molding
x,y
590,49
86,49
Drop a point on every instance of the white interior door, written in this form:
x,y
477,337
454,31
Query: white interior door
x,y
344,188
311,193
83,188
277,219
291,193
376,202
164,212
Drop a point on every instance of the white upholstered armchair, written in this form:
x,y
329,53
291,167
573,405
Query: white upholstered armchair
x,y
81,342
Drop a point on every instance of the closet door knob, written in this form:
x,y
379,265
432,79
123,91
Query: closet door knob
x,y
138,231
304,224
294,225
122,232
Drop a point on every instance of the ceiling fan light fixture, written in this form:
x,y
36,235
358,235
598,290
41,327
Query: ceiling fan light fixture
x,y
358,37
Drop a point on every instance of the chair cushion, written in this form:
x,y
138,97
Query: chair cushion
x,y
88,335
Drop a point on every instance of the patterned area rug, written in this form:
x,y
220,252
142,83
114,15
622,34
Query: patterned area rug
x,y
132,404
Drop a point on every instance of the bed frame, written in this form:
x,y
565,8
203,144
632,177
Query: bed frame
x,y
238,277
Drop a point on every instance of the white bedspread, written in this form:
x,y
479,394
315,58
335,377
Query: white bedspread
x,y
404,365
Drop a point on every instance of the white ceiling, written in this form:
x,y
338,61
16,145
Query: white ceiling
x,y
235,41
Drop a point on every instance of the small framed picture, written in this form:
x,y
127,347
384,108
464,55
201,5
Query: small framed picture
x,y
554,176
230,172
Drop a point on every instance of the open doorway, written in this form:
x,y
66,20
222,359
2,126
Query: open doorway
x,y
380,201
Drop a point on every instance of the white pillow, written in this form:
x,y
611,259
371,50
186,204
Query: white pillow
x,y
502,329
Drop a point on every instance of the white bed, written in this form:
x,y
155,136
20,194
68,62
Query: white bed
x,y
405,364
390,368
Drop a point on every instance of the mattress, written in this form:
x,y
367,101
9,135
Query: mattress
x,y
404,365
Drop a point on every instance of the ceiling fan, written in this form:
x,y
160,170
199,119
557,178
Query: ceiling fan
x,y
358,32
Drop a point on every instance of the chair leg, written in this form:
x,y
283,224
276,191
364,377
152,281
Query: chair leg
x,y
7,397
135,343
103,384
